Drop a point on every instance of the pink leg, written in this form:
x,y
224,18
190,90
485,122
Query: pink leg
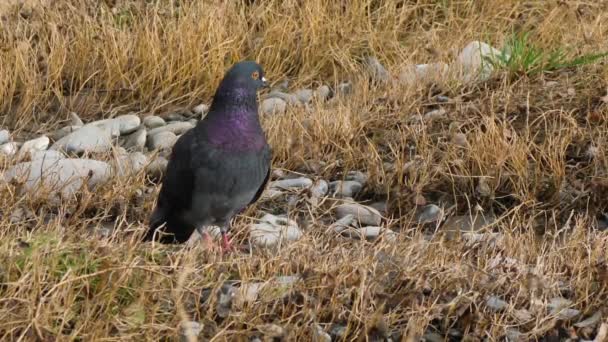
x,y
226,243
207,240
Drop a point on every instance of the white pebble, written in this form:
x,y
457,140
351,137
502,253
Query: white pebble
x,y
304,95
473,63
322,93
4,136
9,149
357,176
201,109
75,120
38,144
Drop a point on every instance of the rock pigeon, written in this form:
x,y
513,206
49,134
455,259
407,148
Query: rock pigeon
x,y
219,167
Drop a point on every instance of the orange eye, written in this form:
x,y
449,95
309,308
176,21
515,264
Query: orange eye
x,y
255,75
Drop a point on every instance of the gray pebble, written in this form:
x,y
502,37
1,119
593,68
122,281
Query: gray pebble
x,y
62,132
157,167
48,155
344,88
319,188
435,114
363,214
345,188
496,304
376,70
30,146
190,330
323,93
293,183
153,121
430,213
65,175
130,164
273,105
120,125
75,120
304,95
357,176
176,128
175,117
88,139
162,140
289,99
136,141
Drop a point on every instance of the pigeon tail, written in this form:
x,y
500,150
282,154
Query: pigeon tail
x,y
174,229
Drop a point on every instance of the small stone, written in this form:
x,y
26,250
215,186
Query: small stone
x,y
423,73
193,122
473,63
177,128
370,233
429,214
591,321
190,330
523,315
571,92
337,331
62,132
560,308
381,206
592,152
9,149
173,117
48,155
201,109
483,188
224,302
319,189
323,93
435,114
342,224
304,95
496,304
75,120
162,140
345,88
364,215
357,176
514,335
272,330
320,335
130,164
65,175
153,121
345,188
292,183
38,144
156,168
136,141
88,139
272,230
460,139
4,136
273,105
120,125
290,99
376,70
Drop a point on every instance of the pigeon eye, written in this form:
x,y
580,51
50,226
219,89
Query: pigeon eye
x,y
255,75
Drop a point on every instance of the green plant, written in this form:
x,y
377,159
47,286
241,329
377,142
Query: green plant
x,y
520,56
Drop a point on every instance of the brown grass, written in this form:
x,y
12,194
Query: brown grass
x,y
525,139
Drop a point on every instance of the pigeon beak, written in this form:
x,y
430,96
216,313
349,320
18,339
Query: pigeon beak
x,y
265,82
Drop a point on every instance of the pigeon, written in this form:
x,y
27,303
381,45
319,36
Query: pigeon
x,y
219,167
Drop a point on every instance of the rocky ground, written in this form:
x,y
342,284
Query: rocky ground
x,y
457,194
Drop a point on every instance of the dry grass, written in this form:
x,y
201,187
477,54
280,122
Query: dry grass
x,y
526,144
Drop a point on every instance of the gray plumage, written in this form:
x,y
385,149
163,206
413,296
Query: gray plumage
x,y
220,166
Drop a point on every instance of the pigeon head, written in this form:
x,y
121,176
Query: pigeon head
x,y
246,76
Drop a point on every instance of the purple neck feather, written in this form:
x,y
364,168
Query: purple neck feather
x,y
233,122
